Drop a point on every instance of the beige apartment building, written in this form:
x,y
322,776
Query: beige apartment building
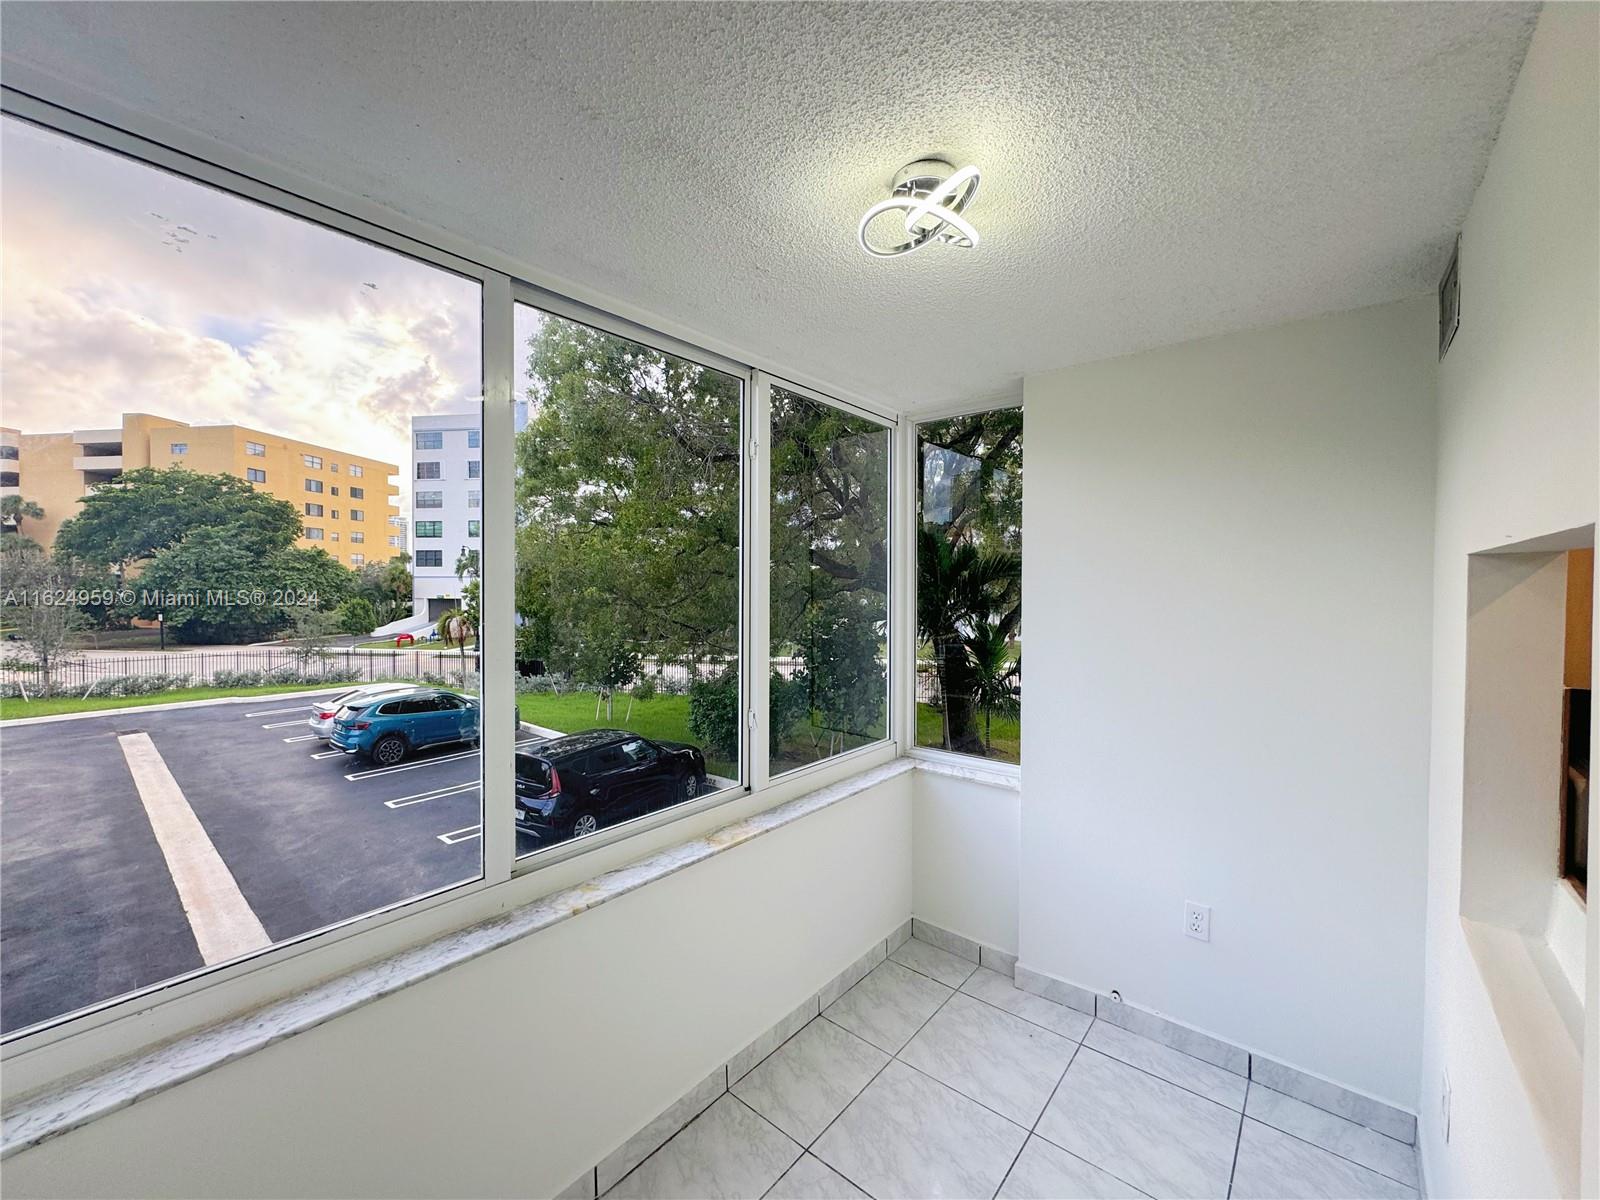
x,y
346,501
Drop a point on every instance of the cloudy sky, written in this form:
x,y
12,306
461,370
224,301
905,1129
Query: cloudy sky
x,y
127,289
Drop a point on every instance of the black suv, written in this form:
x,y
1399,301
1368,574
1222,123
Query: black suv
x,y
570,786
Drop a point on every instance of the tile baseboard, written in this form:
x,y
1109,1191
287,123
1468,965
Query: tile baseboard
x,y
1336,1098
962,946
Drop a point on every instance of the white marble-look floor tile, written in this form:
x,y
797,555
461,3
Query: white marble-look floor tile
x,y
949,969
888,1006
1366,1147
807,1082
812,1179
994,988
1174,1066
999,1060
1275,1166
726,1152
910,1136
1155,1135
1046,1172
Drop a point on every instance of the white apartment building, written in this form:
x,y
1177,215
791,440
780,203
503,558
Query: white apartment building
x,y
446,504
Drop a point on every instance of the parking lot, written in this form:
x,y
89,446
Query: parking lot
x,y
141,844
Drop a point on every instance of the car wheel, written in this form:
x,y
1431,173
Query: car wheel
x,y
690,787
388,750
585,824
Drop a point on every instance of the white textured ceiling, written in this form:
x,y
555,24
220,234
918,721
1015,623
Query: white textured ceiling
x,y
1151,172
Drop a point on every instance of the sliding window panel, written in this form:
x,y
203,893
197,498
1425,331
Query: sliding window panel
x,y
627,591
829,585
969,585
215,415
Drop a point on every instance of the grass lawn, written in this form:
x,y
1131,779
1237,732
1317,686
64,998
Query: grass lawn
x,y
1005,733
56,705
388,644
664,718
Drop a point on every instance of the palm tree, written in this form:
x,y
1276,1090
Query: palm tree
x,y
964,592
995,670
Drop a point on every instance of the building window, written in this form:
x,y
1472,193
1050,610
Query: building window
x,y
358,493
969,584
630,465
333,467
474,499
828,690
474,469
397,540
473,528
334,536
358,514
430,439
430,558
357,560
270,294
9,453
357,470
313,510
357,535
474,439
430,500
428,470
336,514
334,489
429,529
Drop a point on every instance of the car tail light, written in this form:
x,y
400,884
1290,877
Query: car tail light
x,y
359,725
324,716
555,781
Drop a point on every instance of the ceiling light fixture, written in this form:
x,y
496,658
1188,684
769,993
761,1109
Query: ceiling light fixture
x,y
932,194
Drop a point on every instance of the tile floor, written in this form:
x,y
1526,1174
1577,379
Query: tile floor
x,y
936,1077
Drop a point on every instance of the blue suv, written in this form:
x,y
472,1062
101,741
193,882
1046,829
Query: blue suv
x,y
390,727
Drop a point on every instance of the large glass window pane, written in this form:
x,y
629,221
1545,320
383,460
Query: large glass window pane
x,y
828,688
627,580
969,584
147,316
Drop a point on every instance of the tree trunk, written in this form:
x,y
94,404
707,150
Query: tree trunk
x,y
960,713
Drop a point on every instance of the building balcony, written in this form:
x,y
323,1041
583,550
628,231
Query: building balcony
x,y
97,462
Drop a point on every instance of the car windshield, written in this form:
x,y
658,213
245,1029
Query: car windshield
x,y
534,771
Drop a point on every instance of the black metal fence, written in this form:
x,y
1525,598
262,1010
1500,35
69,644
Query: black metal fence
x,y
82,672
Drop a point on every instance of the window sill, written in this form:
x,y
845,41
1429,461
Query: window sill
x,y
939,762
49,1114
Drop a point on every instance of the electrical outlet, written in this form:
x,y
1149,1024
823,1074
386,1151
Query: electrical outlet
x,y
1197,920
1444,1105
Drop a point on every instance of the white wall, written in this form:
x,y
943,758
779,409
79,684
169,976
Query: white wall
x,y
512,1074
1517,460
964,859
1227,599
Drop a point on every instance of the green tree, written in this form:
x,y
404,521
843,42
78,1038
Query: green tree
x,y
14,510
356,615
995,669
146,511
387,587
627,502
35,601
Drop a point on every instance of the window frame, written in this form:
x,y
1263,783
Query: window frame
x,y
910,483
83,1039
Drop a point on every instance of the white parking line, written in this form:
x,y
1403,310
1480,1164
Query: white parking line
x,y
278,712
371,772
321,754
304,737
284,724
461,835
435,794
224,925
